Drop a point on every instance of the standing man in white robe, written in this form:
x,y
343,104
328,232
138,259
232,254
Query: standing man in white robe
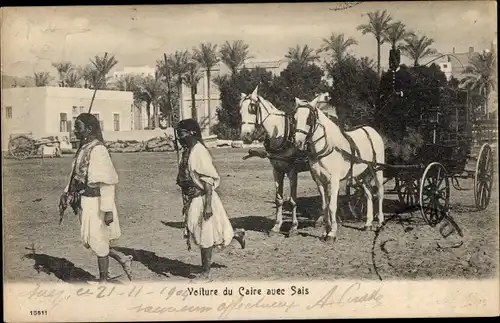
x,y
91,194
206,221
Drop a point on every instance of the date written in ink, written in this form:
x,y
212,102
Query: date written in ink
x,y
38,313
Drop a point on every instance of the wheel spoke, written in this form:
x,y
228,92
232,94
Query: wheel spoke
x,y
440,181
426,198
484,196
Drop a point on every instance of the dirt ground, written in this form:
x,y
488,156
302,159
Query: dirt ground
x,y
149,207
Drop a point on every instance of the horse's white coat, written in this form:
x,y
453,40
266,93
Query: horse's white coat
x,y
334,167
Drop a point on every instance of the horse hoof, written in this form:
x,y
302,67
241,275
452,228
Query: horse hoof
x,y
273,233
368,228
292,232
318,224
329,239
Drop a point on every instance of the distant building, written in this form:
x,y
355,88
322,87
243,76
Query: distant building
x,y
51,111
141,118
201,96
274,67
201,100
454,64
143,71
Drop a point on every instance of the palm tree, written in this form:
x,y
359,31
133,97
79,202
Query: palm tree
x,y
417,48
42,78
206,55
179,67
62,69
338,45
150,90
395,33
164,66
302,55
89,77
480,75
377,26
103,65
72,77
126,82
366,63
192,78
234,55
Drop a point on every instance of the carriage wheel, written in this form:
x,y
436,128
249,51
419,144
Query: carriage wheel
x,y
357,199
408,191
483,179
434,194
21,147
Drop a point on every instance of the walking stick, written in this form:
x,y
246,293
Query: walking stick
x,y
184,211
100,80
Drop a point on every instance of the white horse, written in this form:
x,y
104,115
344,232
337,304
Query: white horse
x,y
335,155
282,153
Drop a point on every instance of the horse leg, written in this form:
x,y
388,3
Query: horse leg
x,y
369,206
321,190
278,182
331,216
293,177
379,181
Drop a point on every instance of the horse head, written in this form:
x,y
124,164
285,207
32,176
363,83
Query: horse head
x,y
248,112
305,118
322,102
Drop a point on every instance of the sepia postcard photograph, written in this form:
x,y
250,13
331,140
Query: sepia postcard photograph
x,y
250,161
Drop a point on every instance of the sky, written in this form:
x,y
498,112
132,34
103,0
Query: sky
x,y
34,37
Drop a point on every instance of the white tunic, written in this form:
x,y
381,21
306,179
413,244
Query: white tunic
x,y
217,230
95,234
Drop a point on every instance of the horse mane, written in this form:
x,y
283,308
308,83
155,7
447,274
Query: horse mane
x,y
268,105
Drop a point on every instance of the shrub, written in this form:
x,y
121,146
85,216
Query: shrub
x,y
225,132
405,150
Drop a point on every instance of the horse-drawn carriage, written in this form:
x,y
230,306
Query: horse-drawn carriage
x,y
23,146
423,181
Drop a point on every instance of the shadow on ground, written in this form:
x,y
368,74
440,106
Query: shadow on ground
x,y
248,223
308,211
162,265
62,268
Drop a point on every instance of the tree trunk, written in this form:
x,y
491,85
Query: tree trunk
x,y
378,56
170,117
181,101
194,113
209,102
148,112
156,114
486,94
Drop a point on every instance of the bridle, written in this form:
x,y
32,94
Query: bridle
x,y
312,121
259,121
257,106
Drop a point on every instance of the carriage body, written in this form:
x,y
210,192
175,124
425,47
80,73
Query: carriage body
x,y
423,175
23,146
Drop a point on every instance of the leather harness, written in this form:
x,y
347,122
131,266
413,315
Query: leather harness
x,y
288,137
354,156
